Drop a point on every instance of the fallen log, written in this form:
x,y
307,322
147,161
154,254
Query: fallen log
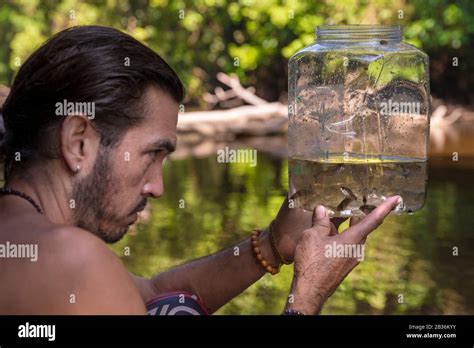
x,y
258,118
262,119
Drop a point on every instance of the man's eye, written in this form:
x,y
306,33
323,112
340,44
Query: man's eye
x,y
155,153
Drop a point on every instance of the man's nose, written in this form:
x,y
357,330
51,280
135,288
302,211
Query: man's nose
x,y
154,187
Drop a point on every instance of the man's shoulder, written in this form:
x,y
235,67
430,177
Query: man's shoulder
x,y
87,271
69,246
74,241
78,253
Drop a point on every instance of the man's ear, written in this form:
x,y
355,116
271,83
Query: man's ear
x,y
79,143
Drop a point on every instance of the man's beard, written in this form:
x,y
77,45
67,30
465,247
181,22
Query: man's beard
x,y
94,198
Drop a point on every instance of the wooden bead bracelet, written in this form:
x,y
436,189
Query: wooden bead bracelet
x,y
258,253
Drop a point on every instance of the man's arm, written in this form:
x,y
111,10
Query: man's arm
x,y
220,277
216,278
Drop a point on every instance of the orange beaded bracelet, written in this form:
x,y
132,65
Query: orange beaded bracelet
x,y
258,253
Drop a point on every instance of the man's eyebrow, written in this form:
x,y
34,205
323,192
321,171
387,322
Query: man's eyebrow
x,y
166,144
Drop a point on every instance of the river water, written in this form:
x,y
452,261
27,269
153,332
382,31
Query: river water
x,y
414,264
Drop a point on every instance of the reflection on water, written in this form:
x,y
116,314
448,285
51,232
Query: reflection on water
x,y
409,266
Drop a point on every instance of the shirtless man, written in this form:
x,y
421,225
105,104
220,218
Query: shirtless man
x,y
69,190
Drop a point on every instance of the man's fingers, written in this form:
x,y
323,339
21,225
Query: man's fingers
x,y
320,220
355,220
333,231
373,220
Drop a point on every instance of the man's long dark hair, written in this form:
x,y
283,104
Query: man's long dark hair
x,y
80,64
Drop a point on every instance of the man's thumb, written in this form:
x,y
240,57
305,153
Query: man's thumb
x,y
321,219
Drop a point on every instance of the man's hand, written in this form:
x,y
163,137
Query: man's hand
x,y
317,275
289,226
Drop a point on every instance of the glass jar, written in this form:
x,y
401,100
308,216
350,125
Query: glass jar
x,y
358,128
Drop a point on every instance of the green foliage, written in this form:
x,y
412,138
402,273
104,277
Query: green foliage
x,y
251,38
